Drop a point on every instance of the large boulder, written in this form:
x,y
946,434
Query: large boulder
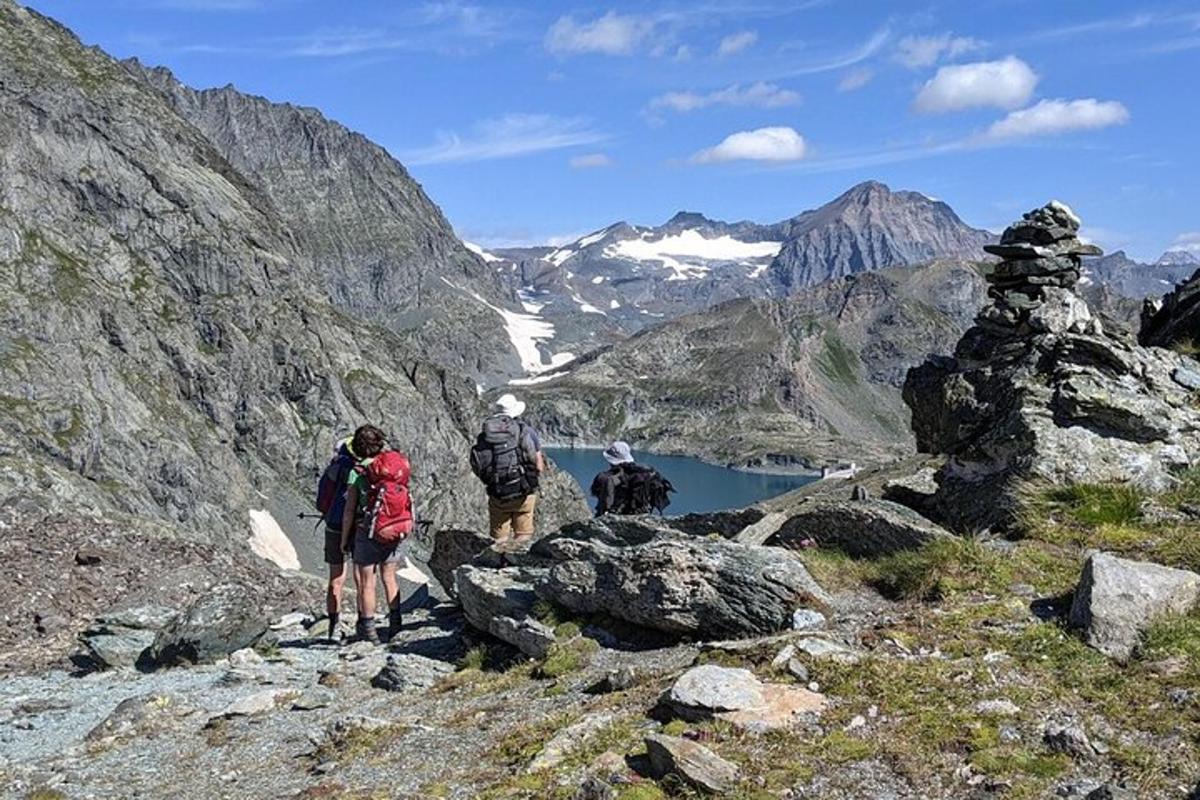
x,y
500,602
1118,599
451,549
123,637
706,588
226,619
861,528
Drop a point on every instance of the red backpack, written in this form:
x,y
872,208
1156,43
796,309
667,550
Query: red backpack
x,y
388,517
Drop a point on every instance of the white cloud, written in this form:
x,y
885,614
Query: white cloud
x,y
765,144
736,42
759,95
1189,242
1007,83
590,161
915,52
864,51
505,137
855,79
1050,117
612,34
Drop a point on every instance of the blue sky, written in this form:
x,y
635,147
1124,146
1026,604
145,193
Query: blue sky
x,y
532,122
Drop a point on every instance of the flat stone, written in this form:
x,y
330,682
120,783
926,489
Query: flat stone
x,y
500,602
997,708
1187,377
865,528
568,740
250,705
291,620
781,708
693,763
313,698
1118,599
805,619
407,672
710,688
825,650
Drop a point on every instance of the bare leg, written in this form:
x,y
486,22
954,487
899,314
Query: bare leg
x,y
387,572
333,591
364,578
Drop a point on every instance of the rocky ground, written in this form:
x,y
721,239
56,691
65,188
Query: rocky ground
x,y
948,670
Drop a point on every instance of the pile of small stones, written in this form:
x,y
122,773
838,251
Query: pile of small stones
x,y
1042,253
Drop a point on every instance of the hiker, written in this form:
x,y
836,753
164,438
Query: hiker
x,y
507,457
365,444
377,521
627,487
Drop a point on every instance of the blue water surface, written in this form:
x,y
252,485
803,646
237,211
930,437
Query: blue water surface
x,y
699,486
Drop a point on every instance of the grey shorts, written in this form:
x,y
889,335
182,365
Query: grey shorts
x,y
368,552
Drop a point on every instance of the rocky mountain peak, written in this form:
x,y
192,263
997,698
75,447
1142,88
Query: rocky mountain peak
x,y
1178,257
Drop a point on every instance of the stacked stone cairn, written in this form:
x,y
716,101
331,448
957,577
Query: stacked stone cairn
x,y
1032,289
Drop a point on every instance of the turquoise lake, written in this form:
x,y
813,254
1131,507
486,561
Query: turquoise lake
x,y
699,486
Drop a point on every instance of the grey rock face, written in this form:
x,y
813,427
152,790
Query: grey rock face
x,y
383,250
1176,319
122,638
1037,389
1117,599
693,763
863,529
169,347
500,602
704,588
451,549
226,619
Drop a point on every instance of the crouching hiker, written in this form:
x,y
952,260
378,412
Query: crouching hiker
x,y
507,457
627,487
377,522
364,445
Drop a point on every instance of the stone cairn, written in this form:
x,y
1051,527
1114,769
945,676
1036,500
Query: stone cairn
x,y
1032,289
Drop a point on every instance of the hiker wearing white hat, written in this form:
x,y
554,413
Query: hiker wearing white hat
x,y
628,487
507,457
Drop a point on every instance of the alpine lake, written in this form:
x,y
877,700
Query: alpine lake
x,y
699,486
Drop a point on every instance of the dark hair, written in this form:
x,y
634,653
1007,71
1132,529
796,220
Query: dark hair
x,y
368,441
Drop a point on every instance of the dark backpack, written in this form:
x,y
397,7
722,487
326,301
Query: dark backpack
x,y
331,488
502,461
642,491
388,516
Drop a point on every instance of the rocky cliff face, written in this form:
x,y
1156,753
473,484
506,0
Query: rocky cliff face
x,y
168,348
1174,321
1039,390
381,248
813,377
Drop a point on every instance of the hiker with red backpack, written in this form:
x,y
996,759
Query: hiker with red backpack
x,y
507,457
377,522
365,444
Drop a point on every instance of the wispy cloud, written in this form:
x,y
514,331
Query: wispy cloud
x,y
590,161
612,34
736,42
775,145
855,79
847,59
759,95
1001,84
915,52
508,136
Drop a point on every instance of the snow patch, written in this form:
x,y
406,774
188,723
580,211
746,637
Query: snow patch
x,y
585,306
267,540
525,331
479,251
598,279
686,252
614,305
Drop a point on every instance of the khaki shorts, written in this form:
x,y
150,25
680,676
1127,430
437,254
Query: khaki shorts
x,y
511,518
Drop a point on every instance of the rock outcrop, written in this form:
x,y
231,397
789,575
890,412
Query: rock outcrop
x,y
1037,389
1118,599
1175,319
500,602
695,587
860,528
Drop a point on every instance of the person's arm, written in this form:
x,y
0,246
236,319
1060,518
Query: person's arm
x,y
348,515
541,462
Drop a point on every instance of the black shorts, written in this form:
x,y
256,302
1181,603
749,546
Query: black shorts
x,y
368,552
333,547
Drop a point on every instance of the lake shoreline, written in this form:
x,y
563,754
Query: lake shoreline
x,y
752,470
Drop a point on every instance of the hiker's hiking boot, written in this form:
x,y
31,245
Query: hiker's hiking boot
x,y
334,634
395,623
364,631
